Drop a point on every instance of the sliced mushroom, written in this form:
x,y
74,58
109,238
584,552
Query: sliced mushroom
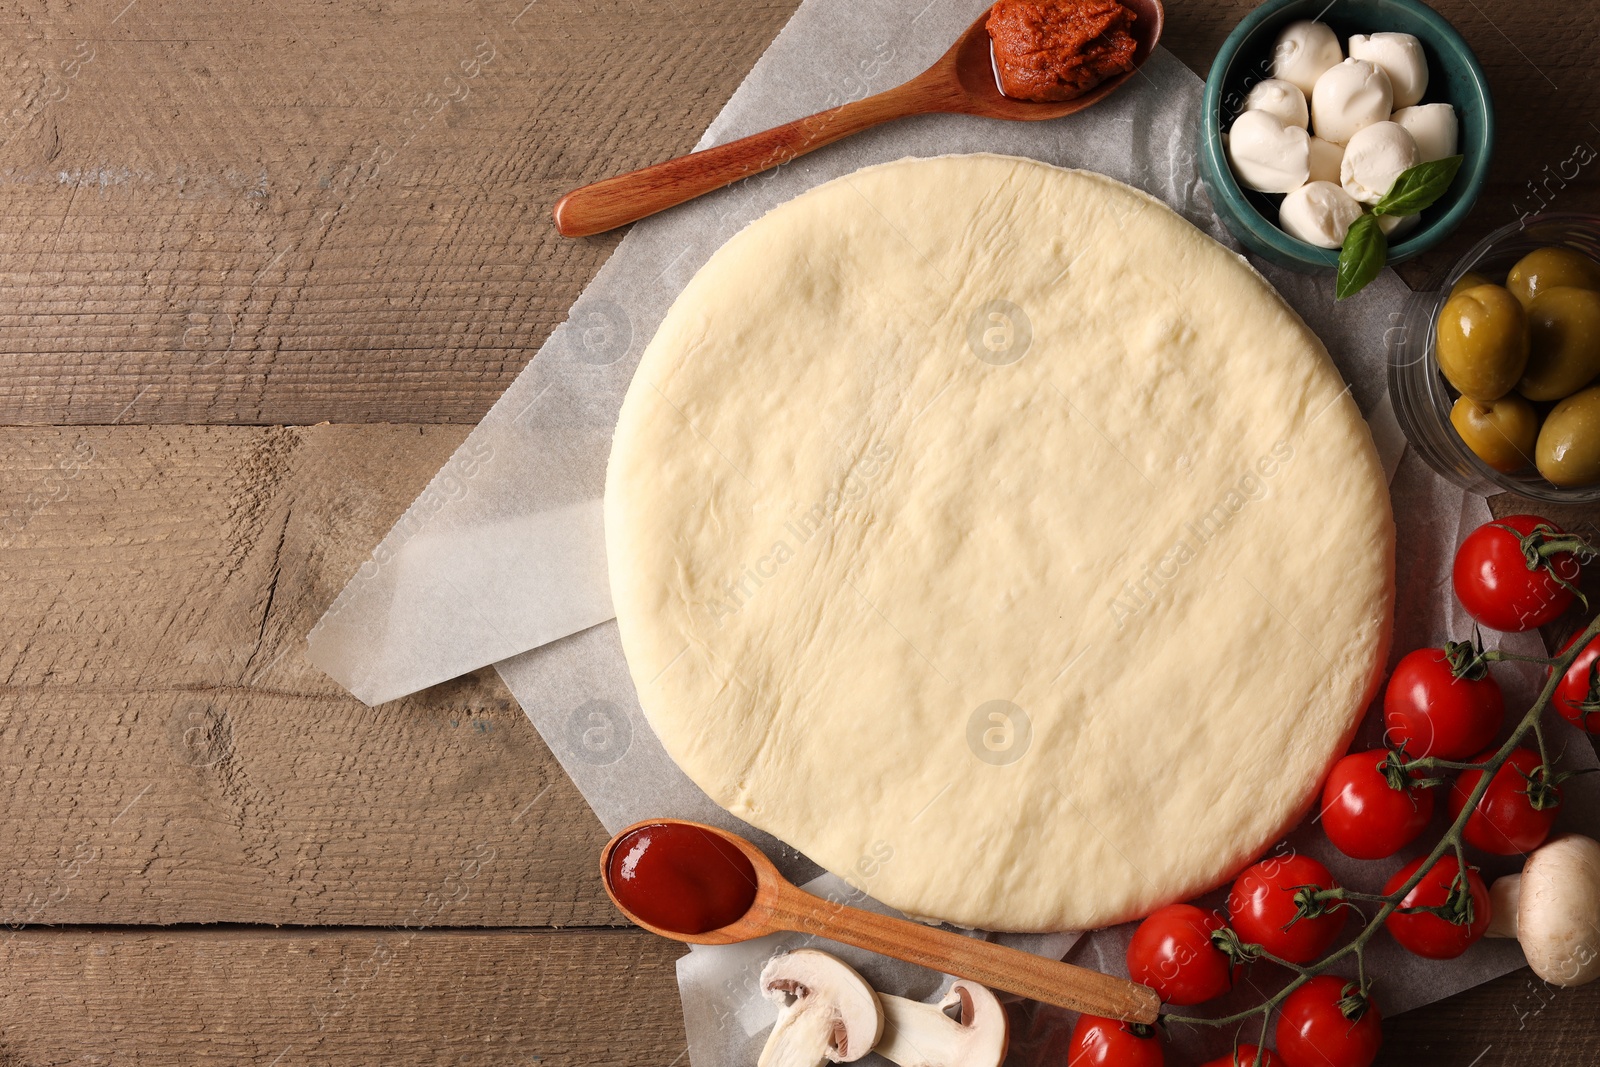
x,y
925,1035
1553,908
826,1011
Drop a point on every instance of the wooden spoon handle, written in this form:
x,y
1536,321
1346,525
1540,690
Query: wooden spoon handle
x,y
614,202
1050,981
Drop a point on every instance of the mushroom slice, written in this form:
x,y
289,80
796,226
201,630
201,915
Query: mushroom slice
x,y
925,1035
826,1011
1553,908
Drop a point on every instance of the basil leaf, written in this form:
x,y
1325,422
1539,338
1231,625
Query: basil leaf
x,y
1362,256
1417,189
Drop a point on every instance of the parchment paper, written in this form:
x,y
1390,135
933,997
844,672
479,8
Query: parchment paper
x,y
502,553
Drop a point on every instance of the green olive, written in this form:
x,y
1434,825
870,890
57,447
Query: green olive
x,y
1568,451
1501,433
1483,342
1564,343
1469,280
1546,268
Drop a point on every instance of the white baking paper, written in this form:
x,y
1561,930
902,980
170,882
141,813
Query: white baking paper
x,y
502,555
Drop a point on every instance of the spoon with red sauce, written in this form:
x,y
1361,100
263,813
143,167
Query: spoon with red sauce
x,y
696,883
962,82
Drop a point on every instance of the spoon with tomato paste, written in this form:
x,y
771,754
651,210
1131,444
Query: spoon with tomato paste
x,y
1022,60
696,883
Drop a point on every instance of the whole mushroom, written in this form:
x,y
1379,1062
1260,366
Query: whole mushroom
x,y
1553,909
926,1035
827,1013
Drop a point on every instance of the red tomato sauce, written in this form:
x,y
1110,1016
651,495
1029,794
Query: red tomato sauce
x,y
1059,49
681,878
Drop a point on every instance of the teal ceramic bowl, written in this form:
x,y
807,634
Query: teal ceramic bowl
x,y
1454,77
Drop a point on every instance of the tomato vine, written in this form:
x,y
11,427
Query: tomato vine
x,y
1451,841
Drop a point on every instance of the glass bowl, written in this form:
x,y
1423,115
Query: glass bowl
x,y
1422,398
1454,77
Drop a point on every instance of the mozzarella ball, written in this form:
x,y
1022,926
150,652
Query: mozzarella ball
x,y
1395,227
1399,55
1433,127
1349,98
1318,213
1304,50
1283,99
1374,158
1268,156
1325,159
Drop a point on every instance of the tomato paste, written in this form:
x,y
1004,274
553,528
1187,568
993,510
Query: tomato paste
x,y
681,878
1059,49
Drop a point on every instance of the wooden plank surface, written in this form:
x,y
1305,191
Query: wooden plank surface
x,y
226,216
297,212
556,999
161,720
578,999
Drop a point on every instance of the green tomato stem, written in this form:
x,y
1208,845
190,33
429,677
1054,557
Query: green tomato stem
x,y
1433,763
1495,655
1296,967
1450,842
1350,894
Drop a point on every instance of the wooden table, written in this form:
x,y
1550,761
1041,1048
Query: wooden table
x,y
265,265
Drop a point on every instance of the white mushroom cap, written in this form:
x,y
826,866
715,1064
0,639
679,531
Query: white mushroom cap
x,y
826,1011
925,1035
1553,908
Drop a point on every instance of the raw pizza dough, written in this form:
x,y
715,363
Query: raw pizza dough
x,y
994,537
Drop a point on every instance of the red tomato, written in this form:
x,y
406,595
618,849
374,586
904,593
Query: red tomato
x,y
1246,1056
1171,952
1495,582
1425,933
1315,1031
1364,816
1578,693
1433,713
1098,1042
1515,813
1262,908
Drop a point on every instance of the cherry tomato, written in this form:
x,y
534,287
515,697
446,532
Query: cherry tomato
x,y
1171,952
1431,712
1578,693
1515,813
1262,908
1246,1056
1429,935
1098,1042
1315,1031
1496,585
1364,816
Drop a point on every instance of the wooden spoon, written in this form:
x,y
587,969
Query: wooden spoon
x,y
780,906
962,82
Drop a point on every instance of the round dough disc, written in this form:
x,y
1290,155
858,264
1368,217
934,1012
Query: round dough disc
x,y
988,533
